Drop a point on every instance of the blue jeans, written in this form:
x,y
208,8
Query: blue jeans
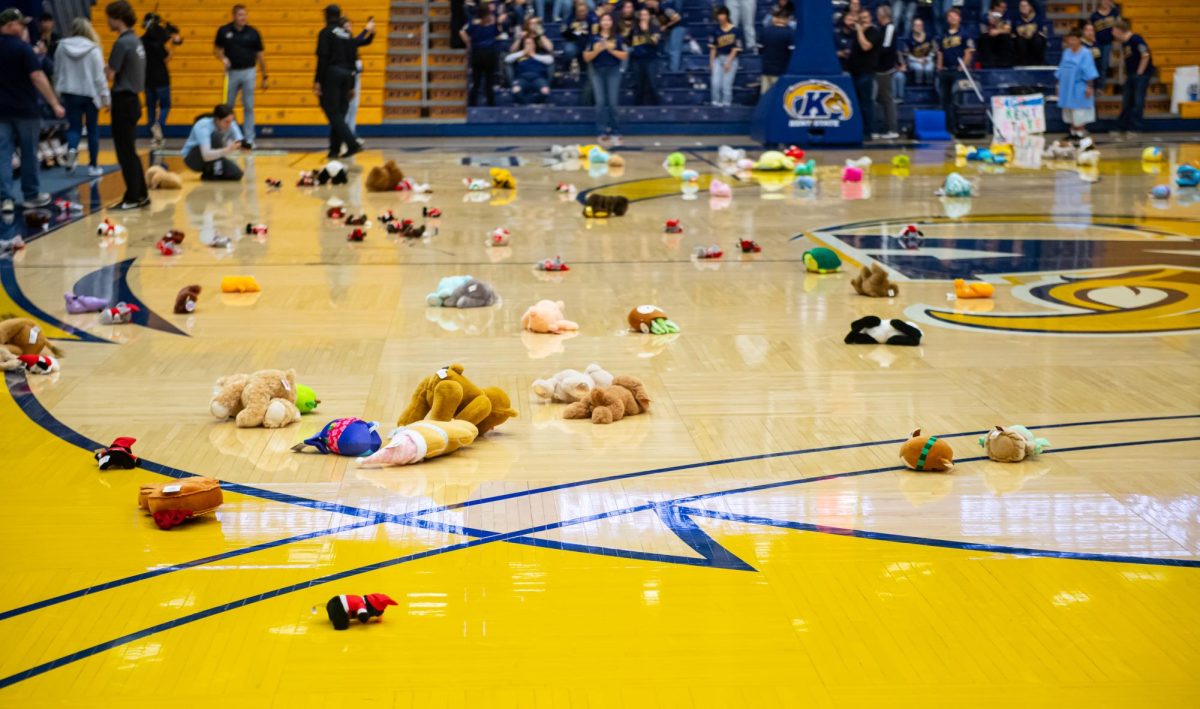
x,y
1133,102
722,81
1102,67
158,105
352,112
606,86
922,70
528,89
23,133
81,110
864,90
242,80
903,13
675,48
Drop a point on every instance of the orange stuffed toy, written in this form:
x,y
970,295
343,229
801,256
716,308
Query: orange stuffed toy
x,y
927,454
626,397
974,289
170,503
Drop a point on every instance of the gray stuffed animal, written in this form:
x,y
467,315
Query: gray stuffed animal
x,y
472,294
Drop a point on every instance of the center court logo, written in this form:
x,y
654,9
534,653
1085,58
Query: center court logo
x,y
816,104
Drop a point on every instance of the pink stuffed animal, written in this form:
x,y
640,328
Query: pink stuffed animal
x,y
547,316
852,174
717,188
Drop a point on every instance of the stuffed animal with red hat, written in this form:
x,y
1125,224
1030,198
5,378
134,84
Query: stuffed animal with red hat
x,y
119,314
359,220
107,228
499,236
356,235
169,244
409,229
343,609
910,237
794,153
274,184
335,212
709,252
351,437
674,226
431,212
386,217
554,264
38,364
119,455
256,229
749,247
307,179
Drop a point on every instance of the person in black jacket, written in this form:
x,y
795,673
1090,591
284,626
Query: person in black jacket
x,y
334,81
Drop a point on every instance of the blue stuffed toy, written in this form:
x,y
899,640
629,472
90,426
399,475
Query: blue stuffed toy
x,y
1187,176
350,437
445,287
955,186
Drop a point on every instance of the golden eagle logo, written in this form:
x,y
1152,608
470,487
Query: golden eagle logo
x,y
817,103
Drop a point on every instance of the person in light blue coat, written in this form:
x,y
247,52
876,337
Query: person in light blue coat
x,y
1077,75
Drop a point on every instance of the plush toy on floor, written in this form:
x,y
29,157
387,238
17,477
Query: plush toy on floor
x,y
384,178
257,229
1012,444
795,153
476,184
239,284
357,220
307,178
422,440
1152,154
910,237
852,174
749,246
502,179
169,244
350,437
706,253
471,294
171,503
673,227
599,206
334,172
565,188
547,316
553,264
675,160
773,161
727,153
1187,176
927,454
570,385
445,287
119,314
38,364
84,303
342,609
626,397
649,319
266,398
822,260
873,282
805,183
306,399
160,178
719,188
901,161
185,299
356,235
118,456
430,212
973,289
872,330
499,237
274,184
107,228
22,336
335,212
806,168
955,186
448,394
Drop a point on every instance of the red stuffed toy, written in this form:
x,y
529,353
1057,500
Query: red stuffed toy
x,y
674,226
335,212
118,455
749,247
794,153
431,212
38,364
356,235
343,609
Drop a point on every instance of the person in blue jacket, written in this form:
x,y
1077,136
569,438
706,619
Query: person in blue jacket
x,y
1076,75
214,137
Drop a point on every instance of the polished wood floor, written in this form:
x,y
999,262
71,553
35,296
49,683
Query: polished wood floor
x,y
751,541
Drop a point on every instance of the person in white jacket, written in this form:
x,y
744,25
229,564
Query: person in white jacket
x,y
79,79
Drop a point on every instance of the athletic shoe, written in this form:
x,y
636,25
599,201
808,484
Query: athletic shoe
x,y
72,160
7,206
156,135
247,145
126,206
891,136
95,170
37,202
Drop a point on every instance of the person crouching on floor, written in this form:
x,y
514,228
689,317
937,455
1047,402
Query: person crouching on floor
x,y
214,136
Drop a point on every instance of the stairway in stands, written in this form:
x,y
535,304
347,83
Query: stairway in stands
x,y
426,77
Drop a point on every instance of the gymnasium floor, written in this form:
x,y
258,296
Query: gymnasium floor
x,y
751,541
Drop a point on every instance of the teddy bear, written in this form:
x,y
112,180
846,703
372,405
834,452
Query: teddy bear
x,y
928,454
974,289
471,294
384,178
444,288
333,172
871,330
160,178
650,320
822,260
265,398
185,300
872,281
447,394
422,440
599,206
502,179
21,336
571,385
547,316
1012,444
626,397
239,284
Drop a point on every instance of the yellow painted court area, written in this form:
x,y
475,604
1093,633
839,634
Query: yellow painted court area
x,y
753,540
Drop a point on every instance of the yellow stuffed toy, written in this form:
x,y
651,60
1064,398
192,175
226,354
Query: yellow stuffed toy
x,y
502,179
421,441
447,395
239,284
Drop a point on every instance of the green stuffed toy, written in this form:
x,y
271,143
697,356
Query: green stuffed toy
x,y
900,161
306,399
822,260
773,160
675,159
651,320
808,167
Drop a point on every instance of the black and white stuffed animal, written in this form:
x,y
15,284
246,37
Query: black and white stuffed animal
x,y
334,172
873,331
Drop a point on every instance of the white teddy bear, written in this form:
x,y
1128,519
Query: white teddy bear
x,y
571,385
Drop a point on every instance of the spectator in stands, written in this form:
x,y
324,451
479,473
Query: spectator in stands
x,y
742,15
532,28
214,137
1089,43
723,50
853,7
864,57
789,12
1139,69
887,73
626,19
20,83
530,83
670,24
775,42
47,36
81,83
481,37
127,70
904,12
333,82
1103,20
1076,90
362,39
1030,32
952,46
844,38
643,40
604,53
919,53
157,41
240,48
996,41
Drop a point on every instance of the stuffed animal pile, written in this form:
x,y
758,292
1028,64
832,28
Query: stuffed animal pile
x,y
422,440
570,385
625,397
21,337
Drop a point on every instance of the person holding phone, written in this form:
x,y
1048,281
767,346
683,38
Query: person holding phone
x,y
605,52
214,137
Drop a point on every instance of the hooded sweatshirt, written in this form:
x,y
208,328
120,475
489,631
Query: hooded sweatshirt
x,y
79,68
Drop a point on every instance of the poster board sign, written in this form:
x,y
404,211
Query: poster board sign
x,y
1016,116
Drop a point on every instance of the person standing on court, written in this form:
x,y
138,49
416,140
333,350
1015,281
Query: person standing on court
x,y
864,58
334,81
158,40
127,71
20,118
887,72
1139,69
239,47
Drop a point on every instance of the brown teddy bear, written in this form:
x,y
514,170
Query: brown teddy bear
x,y
872,281
160,178
21,336
185,300
626,397
599,206
385,178
265,398
447,394
927,454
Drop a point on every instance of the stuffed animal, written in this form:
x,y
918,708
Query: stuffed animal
x,y
422,440
805,183
502,179
265,398
910,237
1152,153
21,336
171,503
351,437
1012,444
118,456
554,264
471,294
705,253
955,186
873,282
356,235
445,287
650,320
274,184
447,394
565,188
1160,192
808,167
307,178
863,163
852,174
719,188
160,178
37,364
185,299
675,160
927,454
342,609
974,289
119,314
239,284
547,316
1059,150
334,172
569,385
431,212
673,227
476,184
773,160
108,228
625,397
599,206
726,153
168,248
335,212
37,219
84,303
257,229
1087,157
68,206
822,260
871,330
794,153
384,178
357,220
749,246
744,165
306,399
1187,176
598,155
901,161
